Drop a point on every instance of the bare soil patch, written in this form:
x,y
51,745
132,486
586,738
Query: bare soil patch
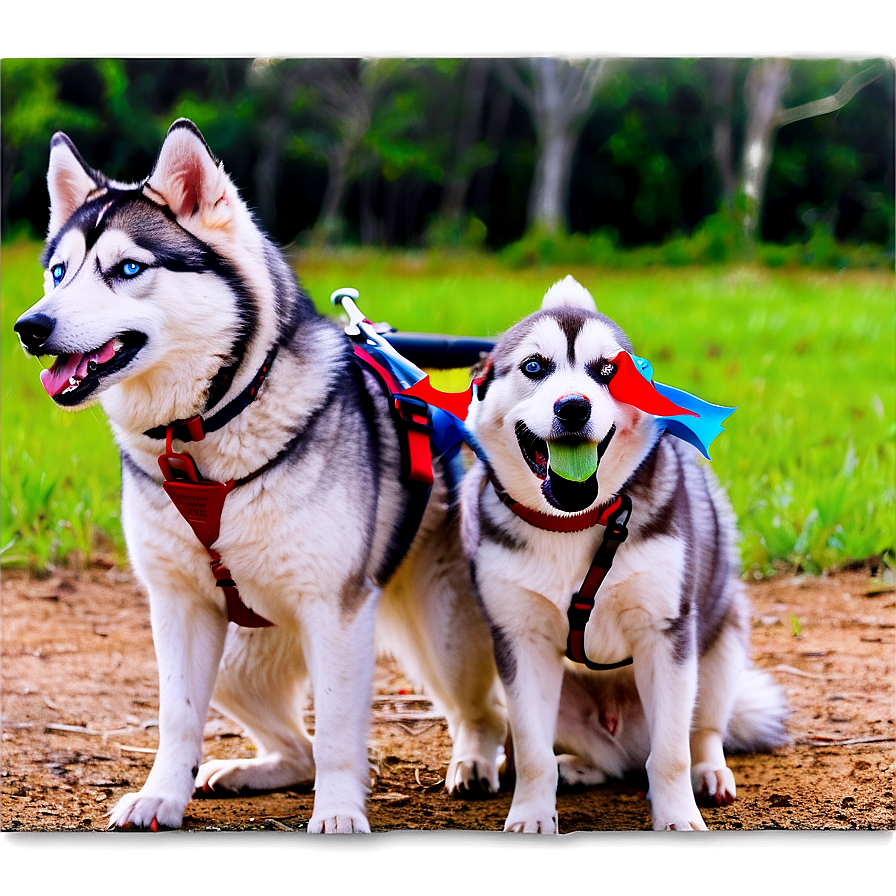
x,y
80,704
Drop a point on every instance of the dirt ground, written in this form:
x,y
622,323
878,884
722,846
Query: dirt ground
x,y
80,709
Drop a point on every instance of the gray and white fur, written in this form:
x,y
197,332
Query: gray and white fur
x,y
162,300
673,600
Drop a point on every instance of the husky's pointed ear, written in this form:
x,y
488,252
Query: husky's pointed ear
x,y
482,375
188,178
568,293
69,181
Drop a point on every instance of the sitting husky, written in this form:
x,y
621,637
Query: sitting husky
x,y
668,680
166,302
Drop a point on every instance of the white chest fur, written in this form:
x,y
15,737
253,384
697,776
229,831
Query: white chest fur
x,y
639,591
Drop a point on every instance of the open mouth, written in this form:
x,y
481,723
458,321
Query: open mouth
x,y
567,467
534,450
74,376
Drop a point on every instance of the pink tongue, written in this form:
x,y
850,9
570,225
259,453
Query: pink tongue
x,y
56,379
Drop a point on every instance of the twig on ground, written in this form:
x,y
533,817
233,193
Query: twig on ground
x,y
94,732
821,740
791,670
74,729
427,787
407,728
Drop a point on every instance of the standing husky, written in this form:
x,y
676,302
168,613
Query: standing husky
x,y
166,302
670,621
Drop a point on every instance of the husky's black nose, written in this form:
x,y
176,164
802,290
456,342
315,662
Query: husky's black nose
x,y
572,411
34,330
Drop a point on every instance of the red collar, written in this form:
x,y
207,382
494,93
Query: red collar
x,y
576,522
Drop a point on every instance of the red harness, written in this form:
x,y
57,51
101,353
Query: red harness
x,y
412,413
200,501
614,516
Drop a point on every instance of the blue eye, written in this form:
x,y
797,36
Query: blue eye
x,y
536,367
58,272
131,268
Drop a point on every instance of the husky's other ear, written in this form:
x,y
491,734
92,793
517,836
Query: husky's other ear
x,y
69,181
568,293
188,177
482,374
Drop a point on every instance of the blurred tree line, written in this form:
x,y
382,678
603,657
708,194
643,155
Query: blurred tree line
x,y
485,152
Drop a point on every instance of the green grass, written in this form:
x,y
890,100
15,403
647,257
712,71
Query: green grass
x,y
60,473
807,357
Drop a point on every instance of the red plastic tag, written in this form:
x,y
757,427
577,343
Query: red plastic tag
x,y
200,504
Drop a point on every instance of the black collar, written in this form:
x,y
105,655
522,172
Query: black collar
x,y
196,428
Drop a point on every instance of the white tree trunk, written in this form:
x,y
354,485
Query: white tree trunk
x,y
562,94
765,85
549,193
558,102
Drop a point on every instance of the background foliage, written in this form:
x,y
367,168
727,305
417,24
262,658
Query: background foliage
x,y
404,133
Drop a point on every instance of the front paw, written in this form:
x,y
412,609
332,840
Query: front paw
x,y
472,778
532,821
713,786
686,818
146,812
347,823
672,804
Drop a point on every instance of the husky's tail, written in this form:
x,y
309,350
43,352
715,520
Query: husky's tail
x,y
759,715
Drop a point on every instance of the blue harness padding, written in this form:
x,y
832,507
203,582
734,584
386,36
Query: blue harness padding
x,y
448,432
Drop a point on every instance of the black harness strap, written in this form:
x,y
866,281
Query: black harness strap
x,y
582,602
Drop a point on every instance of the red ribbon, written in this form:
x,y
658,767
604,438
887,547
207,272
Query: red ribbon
x,y
627,385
